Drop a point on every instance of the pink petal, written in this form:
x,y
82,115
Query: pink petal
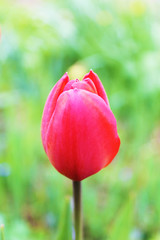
x,y
91,84
100,89
86,84
82,134
50,105
69,84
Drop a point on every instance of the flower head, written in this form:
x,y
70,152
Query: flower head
x,y
79,130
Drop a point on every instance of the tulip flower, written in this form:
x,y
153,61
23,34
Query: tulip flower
x,y
79,131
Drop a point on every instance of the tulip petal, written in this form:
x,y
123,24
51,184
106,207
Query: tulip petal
x,y
82,134
50,105
86,84
100,89
91,84
69,85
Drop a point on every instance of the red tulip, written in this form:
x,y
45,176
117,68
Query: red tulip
x,y
79,130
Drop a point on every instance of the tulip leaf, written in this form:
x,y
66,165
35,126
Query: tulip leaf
x,y
65,226
2,232
122,225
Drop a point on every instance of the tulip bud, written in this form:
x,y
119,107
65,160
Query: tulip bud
x,y
79,130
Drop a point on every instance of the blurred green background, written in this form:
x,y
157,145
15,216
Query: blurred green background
x,y
120,41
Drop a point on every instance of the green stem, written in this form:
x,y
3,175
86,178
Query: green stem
x,y
77,210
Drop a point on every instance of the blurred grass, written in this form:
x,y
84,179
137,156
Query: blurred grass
x,y
120,41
